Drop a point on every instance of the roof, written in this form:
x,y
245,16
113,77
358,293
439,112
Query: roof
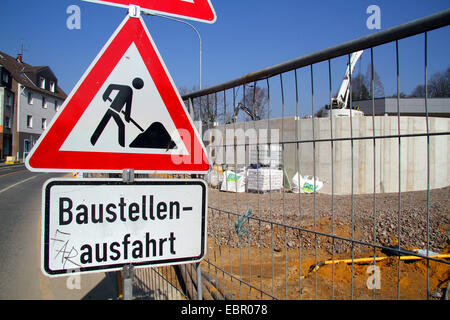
x,y
407,106
19,71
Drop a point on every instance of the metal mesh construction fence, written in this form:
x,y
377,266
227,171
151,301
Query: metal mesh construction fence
x,y
309,207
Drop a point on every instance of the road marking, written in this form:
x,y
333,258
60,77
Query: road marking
x,y
9,167
7,174
16,184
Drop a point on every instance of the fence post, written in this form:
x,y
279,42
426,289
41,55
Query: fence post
x,y
127,281
128,270
199,282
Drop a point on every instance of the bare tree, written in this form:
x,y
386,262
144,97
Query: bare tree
x,y
255,99
378,85
359,88
205,108
438,86
418,92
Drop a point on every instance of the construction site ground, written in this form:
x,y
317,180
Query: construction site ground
x,y
274,271
289,235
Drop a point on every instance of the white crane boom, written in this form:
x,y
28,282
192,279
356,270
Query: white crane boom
x,y
342,96
341,100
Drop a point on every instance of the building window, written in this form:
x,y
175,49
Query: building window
x,y
44,123
29,122
5,77
42,82
56,106
9,100
26,145
52,86
44,102
30,98
7,122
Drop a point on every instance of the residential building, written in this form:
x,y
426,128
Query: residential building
x,y
29,99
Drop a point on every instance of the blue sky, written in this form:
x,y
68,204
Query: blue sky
x,y
247,36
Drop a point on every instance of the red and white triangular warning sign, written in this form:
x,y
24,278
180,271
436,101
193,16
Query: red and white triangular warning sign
x,y
198,10
124,113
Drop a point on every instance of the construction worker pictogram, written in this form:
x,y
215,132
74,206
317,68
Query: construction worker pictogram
x,y
123,99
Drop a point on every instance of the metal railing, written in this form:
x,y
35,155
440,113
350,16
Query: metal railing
x,y
270,239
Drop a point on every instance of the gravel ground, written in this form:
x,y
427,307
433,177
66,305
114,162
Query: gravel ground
x,y
294,216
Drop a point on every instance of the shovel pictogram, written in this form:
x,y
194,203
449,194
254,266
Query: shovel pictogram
x,y
156,135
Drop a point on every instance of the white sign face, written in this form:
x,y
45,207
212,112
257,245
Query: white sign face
x,y
150,108
104,224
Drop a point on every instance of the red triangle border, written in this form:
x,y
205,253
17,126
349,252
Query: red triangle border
x,y
46,155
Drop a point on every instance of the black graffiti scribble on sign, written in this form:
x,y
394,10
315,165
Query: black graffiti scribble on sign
x,y
62,248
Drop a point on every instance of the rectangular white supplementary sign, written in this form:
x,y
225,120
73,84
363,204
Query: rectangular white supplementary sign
x,y
97,225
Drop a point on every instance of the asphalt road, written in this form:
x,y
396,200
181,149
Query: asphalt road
x,y
20,228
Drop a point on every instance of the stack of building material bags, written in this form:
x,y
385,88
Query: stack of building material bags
x,y
264,180
305,184
233,182
265,154
214,177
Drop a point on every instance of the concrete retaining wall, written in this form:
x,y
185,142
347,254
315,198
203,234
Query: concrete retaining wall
x,y
309,158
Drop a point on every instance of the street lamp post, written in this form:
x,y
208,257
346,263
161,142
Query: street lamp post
x,y
198,267
196,31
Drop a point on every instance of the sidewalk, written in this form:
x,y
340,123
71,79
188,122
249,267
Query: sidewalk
x,y
3,163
